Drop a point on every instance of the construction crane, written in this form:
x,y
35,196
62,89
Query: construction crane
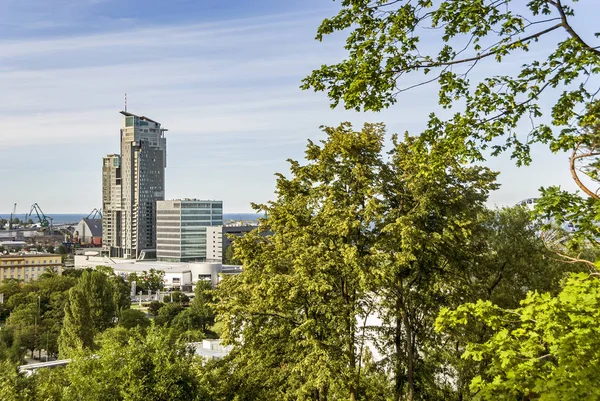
x,y
44,220
95,214
11,216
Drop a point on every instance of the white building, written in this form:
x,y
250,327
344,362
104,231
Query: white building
x,y
181,229
176,274
214,243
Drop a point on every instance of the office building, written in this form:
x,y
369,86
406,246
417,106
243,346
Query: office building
x,y
26,266
137,178
181,227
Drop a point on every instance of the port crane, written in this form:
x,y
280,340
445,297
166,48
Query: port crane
x,y
95,214
11,217
44,221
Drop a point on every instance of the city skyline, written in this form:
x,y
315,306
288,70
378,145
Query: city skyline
x,y
226,85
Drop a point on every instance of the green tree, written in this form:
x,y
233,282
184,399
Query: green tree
x,y
131,318
553,91
229,256
141,366
62,250
154,307
13,385
293,312
167,313
546,349
91,309
154,280
177,297
202,305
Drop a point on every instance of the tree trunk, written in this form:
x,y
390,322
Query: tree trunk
x,y
410,368
399,375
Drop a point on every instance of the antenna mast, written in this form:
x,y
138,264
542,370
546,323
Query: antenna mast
x,y
126,102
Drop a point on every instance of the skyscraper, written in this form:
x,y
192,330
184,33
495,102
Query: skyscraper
x,y
142,182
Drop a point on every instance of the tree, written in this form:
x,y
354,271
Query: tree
x,y
154,307
386,58
546,349
154,280
357,236
229,257
62,250
177,297
91,309
424,251
142,366
13,386
167,313
297,313
131,318
202,305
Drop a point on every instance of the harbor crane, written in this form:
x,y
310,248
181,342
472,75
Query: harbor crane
x,y
11,216
44,221
95,214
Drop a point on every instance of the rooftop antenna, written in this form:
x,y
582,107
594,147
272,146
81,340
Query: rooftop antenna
x,y
126,103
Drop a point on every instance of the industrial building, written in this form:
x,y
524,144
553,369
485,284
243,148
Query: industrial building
x,y
132,183
28,266
181,229
88,232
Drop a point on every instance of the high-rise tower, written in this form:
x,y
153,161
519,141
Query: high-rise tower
x,y
142,182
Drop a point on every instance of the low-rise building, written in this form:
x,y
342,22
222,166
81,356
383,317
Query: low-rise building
x,y
28,266
177,274
88,232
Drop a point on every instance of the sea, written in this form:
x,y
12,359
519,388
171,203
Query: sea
x,y
58,218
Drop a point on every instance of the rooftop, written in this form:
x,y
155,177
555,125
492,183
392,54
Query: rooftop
x,y
144,118
22,255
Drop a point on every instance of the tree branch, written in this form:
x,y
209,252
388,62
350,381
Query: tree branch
x,y
565,24
576,177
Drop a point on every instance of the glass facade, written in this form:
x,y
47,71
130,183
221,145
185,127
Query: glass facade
x,y
181,228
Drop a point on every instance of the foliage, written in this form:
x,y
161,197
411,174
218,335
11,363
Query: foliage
x,y
229,255
167,313
397,46
152,280
152,366
154,307
13,386
545,349
131,318
91,309
176,297
355,236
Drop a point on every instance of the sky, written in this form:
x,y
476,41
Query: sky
x,y
222,76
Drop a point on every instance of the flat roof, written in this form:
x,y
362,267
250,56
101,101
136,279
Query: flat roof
x,y
128,114
27,255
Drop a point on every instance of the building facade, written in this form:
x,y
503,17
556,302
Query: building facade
x,y
141,174
28,267
111,204
214,243
88,232
181,227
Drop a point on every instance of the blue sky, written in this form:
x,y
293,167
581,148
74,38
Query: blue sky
x,y
222,76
